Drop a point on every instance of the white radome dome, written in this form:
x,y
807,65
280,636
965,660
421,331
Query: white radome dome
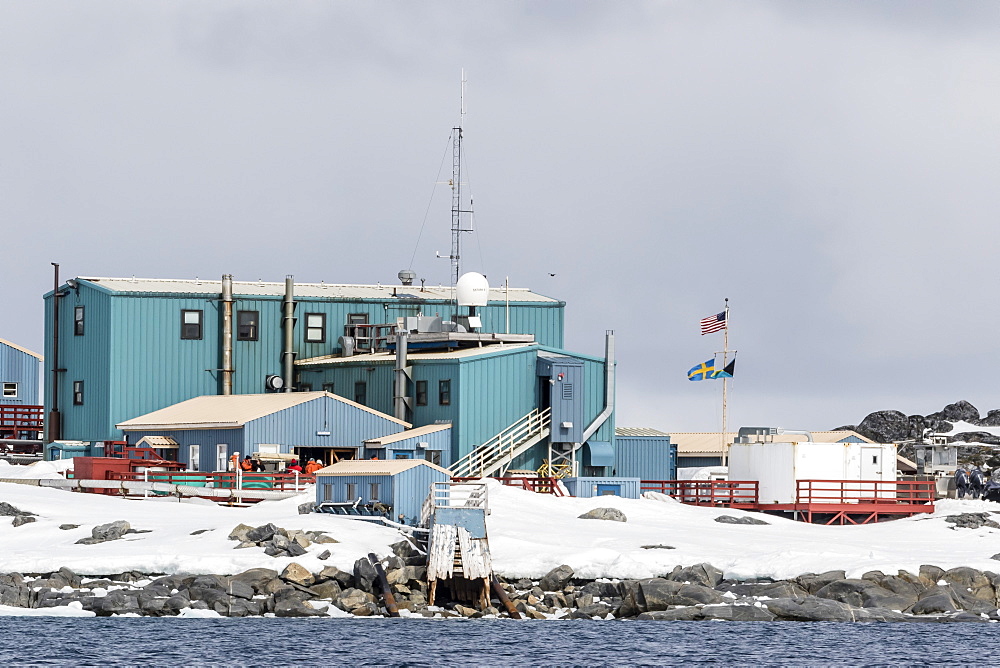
x,y
472,290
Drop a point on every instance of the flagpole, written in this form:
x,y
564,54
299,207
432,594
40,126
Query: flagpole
x,y
725,386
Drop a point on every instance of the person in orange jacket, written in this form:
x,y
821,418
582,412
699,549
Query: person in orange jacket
x,y
312,467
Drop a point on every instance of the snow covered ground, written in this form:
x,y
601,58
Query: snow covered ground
x,y
962,427
529,535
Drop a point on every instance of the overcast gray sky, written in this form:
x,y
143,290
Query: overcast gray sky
x,y
830,167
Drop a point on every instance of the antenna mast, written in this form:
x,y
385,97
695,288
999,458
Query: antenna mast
x,y
456,192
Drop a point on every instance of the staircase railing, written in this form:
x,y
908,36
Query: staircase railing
x,y
503,446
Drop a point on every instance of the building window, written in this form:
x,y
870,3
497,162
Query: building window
x,y
221,456
373,491
246,325
433,456
328,387
444,392
304,387
77,392
77,321
357,318
360,392
402,455
190,324
315,328
352,492
194,457
421,392
10,390
327,492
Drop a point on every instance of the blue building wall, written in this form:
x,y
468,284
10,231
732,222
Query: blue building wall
x,y
24,370
404,491
132,360
627,488
697,462
645,457
207,441
409,448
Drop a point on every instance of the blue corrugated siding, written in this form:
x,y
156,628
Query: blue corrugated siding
x,y
438,440
338,487
697,462
645,457
587,487
206,439
298,425
378,379
19,367
405,491
493,393
87,358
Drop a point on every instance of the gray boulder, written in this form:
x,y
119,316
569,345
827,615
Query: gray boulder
x,y
256,578
746,519
117,602
813,582
352,599
971,521
64,577
850,592
676,615
306,508
343,578
111,530
20,520
662,594
878,615
703,574
7,510
737,613
240,532
297,574
240,589
610,514
67,527
810,610
933,604
364,574
294,608
329,589
261,533
556,579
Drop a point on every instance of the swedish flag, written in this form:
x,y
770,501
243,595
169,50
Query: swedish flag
x,y
702,371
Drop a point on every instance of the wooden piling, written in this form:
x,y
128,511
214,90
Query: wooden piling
x,y
390,600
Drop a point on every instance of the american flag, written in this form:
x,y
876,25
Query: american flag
x,y
713,323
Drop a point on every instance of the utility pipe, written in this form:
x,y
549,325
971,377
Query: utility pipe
x,y
288,326
609,387
54,424
399,398
126,486
383,581
227,334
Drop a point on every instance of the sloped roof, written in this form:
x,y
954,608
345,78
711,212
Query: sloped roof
x,y
377,467
17,347
638,431
312,290
711,442
230,411
409,433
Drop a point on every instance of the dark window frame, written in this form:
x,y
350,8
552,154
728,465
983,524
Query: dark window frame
x,y
322,328
77,392
361,392
444,392
421,393
200,324
357,318
78,320
329,387
433,456
250,331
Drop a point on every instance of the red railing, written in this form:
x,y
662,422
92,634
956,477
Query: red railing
x,y
17,421
281,482
706,492
837,492
539,485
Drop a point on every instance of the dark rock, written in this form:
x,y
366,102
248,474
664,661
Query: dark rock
x,y
239,607
877,597
240,532
273,551
210,582
343,578
364,574
676,615
257,578
557,578
813,582
294,608
737,613
117,603
850,592
886,427
810,609
306,508
295,550
329,589
934,604
176,603
960,411
931,574
324,555
992,419
404,549
198,532
240,589
67,527
972,521
658,547
297,574
352,599
64,577
22,519
261,533
110,531
878,615
662,594
7,510
970,580
904,586
610,514
703,574
14,591
746,519
599,609
153,606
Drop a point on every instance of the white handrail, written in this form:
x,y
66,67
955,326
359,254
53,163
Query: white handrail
x,y
501,445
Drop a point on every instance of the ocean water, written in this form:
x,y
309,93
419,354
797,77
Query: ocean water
x,y
409,642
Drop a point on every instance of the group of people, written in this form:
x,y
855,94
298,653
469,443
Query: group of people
x,y
254,465
976,484
310,468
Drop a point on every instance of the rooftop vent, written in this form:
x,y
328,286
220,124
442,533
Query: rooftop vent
x,y
406,276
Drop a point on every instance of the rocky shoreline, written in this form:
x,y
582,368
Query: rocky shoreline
x,y
698,592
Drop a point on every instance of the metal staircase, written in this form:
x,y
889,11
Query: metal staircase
x,y
496,454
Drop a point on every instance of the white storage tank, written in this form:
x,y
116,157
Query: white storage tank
x,y
778,466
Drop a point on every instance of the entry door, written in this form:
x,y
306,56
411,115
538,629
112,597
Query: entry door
x,y
871,469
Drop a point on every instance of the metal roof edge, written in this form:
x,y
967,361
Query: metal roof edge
x,y
22,349
567,353
189,426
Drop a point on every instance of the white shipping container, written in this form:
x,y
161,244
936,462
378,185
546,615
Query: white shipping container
x,y
779,466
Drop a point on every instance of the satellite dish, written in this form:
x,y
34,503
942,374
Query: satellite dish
x,y
472,290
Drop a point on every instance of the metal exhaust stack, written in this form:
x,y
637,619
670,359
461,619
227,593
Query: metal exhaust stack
x,y
400,400
227,334
53,425
288,326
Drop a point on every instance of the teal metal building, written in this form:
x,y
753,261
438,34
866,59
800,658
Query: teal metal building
x,y
20,375
128,347
398,486
644,453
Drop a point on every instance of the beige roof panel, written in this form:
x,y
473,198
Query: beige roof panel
x,y
230,411
409,433
17,347
377,467
313,290
638,431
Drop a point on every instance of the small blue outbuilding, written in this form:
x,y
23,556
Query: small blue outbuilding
x,y
20,375
398,485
